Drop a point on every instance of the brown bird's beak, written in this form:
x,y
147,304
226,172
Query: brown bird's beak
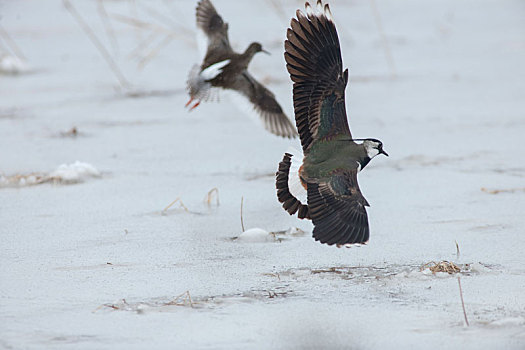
x,y
266,52
383,152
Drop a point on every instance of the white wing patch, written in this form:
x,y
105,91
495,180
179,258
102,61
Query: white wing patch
x,y
294,182
214,70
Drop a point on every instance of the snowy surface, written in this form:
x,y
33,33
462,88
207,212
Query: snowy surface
x,y
100,265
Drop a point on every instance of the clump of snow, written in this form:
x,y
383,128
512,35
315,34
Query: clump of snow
x,y
259,235
256,235
294,231
10,64
75,172
65,173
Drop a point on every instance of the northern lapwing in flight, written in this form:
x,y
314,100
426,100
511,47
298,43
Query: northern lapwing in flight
x,y
224,68
327,176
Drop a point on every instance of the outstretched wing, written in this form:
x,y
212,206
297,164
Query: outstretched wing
x,y
264,103
216,32
337,209
313,59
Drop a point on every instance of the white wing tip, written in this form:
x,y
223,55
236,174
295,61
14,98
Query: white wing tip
x,y
321,11
328,13
350,245
309,10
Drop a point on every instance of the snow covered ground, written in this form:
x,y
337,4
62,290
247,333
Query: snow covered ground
x,y
101,264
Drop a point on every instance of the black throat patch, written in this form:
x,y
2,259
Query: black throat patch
x,y
364,161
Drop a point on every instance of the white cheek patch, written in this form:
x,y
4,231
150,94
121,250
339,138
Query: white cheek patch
x,y
214,70
372,152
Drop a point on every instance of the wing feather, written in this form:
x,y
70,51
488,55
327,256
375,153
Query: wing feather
x,y
313,59
216,31
265,104
338,209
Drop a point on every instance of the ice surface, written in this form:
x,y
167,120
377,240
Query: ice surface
x,y
97,265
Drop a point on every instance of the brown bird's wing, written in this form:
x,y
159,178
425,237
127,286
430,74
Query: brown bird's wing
x,y
216,32
337,209
264,103
313,59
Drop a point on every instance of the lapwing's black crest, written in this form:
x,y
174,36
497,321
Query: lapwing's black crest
x,y
226,69
332,159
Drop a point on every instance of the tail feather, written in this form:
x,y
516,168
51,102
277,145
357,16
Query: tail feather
x,y
290,203
198,87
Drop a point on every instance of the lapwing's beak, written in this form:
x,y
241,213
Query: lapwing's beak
x,y
383,152
266,52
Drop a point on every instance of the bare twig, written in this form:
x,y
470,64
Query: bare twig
x,y
457,250
462,302
242,222
165,210
102,50
386,46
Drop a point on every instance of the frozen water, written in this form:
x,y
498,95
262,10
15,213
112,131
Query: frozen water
x,y
97,265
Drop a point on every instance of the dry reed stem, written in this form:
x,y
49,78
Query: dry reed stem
x,y
462,302
28,180
140,24
509,190
242,221
278,9
102,50
155,51
187,299
273,275
111,306
11,43
209,196
187,34
143,44
101,9
384,39
442,266
164,211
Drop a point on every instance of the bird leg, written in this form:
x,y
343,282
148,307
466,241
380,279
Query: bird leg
x,y
195,105
188,103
